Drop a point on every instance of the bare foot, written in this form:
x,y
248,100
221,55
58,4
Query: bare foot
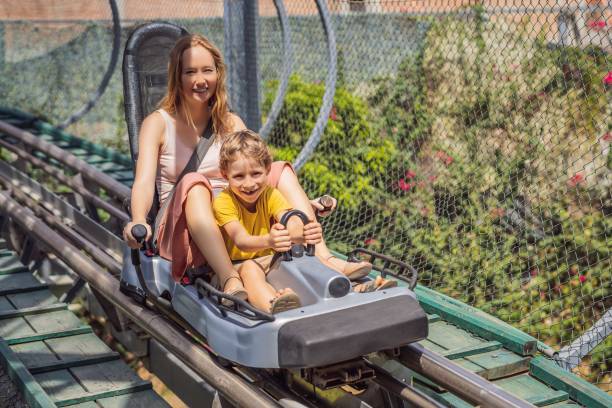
x,y
352,270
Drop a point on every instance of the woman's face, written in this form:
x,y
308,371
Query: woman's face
x,y
199,75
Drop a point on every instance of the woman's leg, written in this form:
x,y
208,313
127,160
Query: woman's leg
x,y
291,189
205,232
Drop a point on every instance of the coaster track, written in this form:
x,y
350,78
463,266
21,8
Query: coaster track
x,y
469,359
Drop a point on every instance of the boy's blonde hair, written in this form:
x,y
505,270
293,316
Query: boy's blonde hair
x,y
246,143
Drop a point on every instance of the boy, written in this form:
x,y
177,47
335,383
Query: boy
x,y
244,212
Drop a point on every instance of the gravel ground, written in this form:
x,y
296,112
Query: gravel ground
x,y
10,397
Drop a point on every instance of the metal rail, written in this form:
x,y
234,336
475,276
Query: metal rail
x,y
62,178
404,391
110,185
458,380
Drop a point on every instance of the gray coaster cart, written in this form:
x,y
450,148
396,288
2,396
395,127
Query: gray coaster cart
x,y
334,325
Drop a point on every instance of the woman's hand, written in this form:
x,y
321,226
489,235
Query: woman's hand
x,y
279,239
321,205
129,238
313,233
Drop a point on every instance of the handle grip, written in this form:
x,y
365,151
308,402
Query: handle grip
x,y
310,248
327,202
139,232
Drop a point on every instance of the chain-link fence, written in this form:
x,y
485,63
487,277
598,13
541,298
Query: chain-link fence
x,y
469,138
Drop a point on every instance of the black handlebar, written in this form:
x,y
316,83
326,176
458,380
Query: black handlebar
x,y
310,248
139,232
327,202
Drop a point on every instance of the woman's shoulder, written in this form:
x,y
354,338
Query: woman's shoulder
x,y
235,122
157,117
154,125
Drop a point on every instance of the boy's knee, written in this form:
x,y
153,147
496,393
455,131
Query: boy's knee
x,y
247,268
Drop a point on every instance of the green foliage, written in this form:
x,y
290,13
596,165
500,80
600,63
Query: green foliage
x,y
347,146
484,169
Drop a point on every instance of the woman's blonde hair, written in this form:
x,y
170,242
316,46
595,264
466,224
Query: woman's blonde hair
x,y
247,144
173,100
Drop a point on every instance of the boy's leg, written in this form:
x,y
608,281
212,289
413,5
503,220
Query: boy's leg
x,y
260,292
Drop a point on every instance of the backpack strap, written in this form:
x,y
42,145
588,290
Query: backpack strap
x,y
192,165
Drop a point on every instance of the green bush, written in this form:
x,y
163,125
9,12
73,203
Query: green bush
x,y
481,167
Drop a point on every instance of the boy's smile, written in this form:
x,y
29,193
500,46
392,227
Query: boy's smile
x,y
247,179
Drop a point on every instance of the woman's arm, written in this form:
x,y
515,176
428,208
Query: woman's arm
x,y
149,141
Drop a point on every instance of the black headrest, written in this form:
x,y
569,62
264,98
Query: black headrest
x,y
145,73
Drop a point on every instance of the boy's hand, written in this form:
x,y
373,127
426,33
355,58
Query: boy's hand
x,y
278,239
313,233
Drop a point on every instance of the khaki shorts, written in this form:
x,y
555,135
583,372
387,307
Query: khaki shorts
x,y
264,263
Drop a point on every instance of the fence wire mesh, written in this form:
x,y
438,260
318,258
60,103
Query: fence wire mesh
x,y
468,138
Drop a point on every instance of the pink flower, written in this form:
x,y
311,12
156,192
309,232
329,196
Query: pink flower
x,y
607,137
333,114
444,158
607,80
582,278
497,212
576,179
431,179
533,272
404,186
410,174
597,24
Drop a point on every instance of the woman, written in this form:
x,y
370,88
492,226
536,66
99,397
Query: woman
x,y
188,234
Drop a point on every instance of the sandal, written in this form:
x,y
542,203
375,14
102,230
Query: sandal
x,y
284,302
352,270
238,292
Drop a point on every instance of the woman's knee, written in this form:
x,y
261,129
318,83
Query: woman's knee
x,y
198,206
200,193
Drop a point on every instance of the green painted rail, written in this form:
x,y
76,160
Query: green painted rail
x,y
471,338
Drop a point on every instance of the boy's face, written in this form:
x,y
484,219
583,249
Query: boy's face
x,y
247,179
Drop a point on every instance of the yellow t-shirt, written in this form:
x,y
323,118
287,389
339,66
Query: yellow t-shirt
x,y
270,205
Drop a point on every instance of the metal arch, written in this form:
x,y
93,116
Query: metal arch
x,y
330,90
107,75
286,73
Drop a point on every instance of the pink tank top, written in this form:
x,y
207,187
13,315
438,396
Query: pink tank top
x,y
174,155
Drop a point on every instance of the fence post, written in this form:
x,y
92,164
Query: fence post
x,y
241,31
2,45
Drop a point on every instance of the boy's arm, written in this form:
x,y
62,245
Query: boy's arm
x,y
310,233
277,239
